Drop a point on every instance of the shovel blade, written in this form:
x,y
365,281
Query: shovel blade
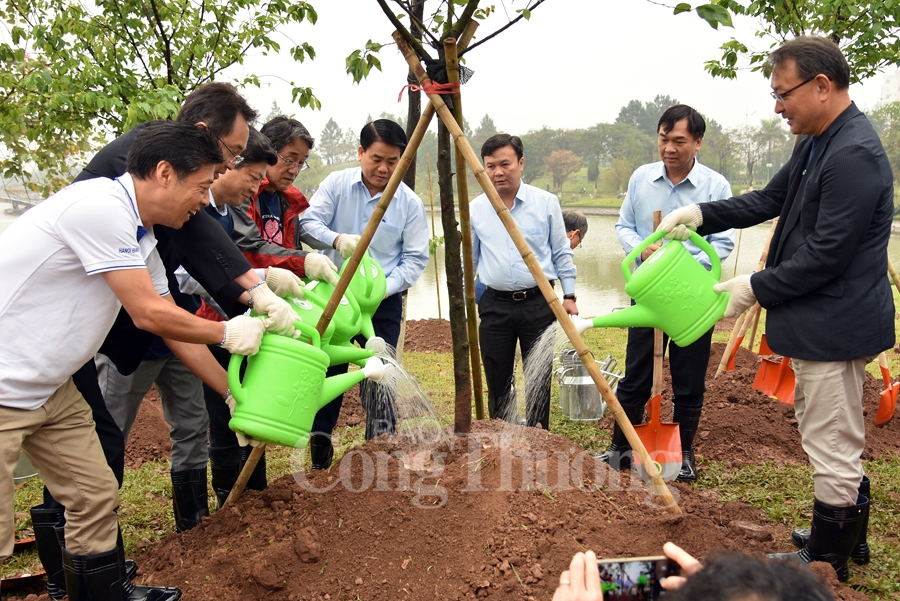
x,y
663,444
887,405
764,346
776,380
737,344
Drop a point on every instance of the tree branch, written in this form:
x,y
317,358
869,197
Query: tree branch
x,y
412,41
504,28
464,19
167,48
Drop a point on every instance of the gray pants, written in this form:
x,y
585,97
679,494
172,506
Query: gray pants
x,y
828,406
181,393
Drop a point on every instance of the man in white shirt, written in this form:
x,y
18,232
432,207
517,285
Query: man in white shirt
x,y
337,215
512,308
90,251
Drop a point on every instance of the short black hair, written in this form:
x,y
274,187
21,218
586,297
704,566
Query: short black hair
x,y
283,131
183,145
383,130
575,220
732,576
674,114
498,141
217,105
812,55
259,150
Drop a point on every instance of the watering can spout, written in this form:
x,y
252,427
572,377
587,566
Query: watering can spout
x,y
635,316
338,354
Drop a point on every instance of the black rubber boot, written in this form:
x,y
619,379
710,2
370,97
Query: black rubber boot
x,y
860,555
619,455
59,529
688,420
101,577
43,521
257,479
223,479
321,451
833,536
189,500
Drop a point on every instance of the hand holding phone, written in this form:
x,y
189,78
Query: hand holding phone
x,y
629,578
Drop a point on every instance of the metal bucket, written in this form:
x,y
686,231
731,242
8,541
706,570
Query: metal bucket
x,y
24,470
568,358
585,401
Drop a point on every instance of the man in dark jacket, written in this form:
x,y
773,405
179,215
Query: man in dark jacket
x,y
828,300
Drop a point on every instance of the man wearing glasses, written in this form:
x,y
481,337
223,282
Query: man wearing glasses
x,y
277,206
829,303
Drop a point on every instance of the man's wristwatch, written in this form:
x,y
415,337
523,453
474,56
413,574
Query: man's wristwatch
x,y
570,297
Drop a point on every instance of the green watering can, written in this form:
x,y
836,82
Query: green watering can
x,y
284,387
309,313
347,318
368,286
671,292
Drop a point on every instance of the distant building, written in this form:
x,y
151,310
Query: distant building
x,y
890,89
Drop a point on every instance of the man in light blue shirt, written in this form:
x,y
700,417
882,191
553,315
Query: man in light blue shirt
x,y
512,308
677,180
337,215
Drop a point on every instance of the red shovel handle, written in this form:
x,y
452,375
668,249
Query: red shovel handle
x,y
885,369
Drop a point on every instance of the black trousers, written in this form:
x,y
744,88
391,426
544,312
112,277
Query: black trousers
x,y
224,450
686,364
380,412
111,439
503,323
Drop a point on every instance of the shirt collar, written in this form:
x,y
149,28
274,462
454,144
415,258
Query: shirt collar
x,y
358,180
223,210
659,172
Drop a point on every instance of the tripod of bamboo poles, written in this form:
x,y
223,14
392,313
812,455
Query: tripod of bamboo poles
x,y
462,188
350,270
752,314
437,279
353,262
534,267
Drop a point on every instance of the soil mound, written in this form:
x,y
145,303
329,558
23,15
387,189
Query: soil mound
x,y
496,514
149,438
428,336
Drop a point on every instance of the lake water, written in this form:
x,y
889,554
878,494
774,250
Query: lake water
x,y
600,284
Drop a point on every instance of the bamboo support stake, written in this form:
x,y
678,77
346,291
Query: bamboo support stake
x,y
753,331
396,178
437,279
462,188
738,324
657,338
534,267
737,252
893,275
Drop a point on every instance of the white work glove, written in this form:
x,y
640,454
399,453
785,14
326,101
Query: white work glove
x,y
242,440
679,223
284,283
346,244
279,315
319,267
742,297
243,335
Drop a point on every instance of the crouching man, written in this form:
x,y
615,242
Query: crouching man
x,y
67,267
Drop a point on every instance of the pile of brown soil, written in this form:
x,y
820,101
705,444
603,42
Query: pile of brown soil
x,y
498,514
149,438
428,336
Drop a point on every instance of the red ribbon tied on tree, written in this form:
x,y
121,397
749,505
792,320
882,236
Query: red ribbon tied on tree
x,y
432,88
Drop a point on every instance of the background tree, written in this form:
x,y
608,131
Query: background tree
x,y
561,164
645,116
749,146
593,173
331,143
78,73
274,111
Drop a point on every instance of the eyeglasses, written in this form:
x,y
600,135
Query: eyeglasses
x,y
291,163
236,159
780,97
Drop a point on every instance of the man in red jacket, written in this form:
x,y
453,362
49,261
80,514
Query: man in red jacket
x,y
278,204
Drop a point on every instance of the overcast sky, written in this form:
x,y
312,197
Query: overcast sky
x,y
574,64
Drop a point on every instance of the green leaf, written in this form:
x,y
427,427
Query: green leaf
x,y
683,7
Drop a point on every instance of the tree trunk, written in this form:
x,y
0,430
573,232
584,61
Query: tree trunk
x,y
414,108
455,293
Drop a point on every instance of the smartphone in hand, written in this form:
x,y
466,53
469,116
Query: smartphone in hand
x,y
633,578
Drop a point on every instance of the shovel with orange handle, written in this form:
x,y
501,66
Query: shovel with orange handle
x,y
888,395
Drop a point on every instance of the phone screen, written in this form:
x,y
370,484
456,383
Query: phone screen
x,y
634,578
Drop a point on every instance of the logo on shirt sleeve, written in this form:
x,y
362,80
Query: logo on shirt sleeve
x,y
133,250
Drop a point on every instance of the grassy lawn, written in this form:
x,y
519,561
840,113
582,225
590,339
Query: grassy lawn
x,y
783,493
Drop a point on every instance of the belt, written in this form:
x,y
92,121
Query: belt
x,y
519,295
